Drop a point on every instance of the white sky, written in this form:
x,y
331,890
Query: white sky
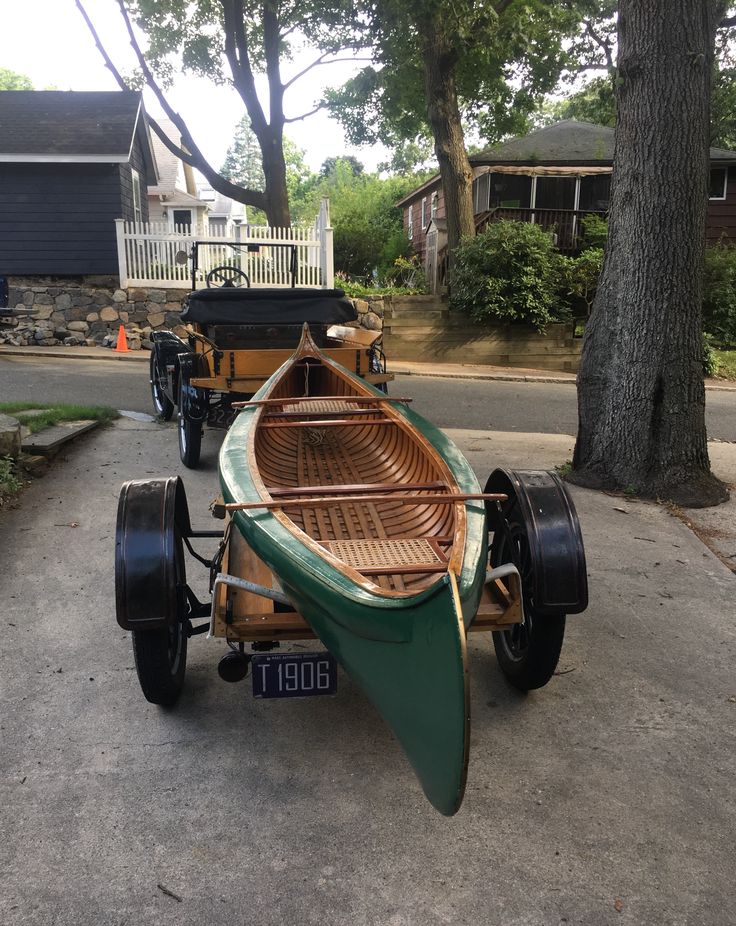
x,y
48,41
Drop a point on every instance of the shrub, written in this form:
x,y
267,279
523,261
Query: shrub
x,y
509,272
711,363
719,294
579,279
595,232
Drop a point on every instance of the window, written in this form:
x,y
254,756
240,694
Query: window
x,y
481,193
434,205
595,193
718,181
136,181
410,222
424,212
182,217
510,191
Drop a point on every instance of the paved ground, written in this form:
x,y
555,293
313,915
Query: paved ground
x,y
605,798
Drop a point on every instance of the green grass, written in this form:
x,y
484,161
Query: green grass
x,y
726,363
53,414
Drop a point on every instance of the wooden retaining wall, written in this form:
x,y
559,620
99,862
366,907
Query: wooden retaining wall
x,y
423,329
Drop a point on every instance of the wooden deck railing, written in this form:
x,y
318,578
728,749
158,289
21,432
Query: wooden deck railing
x,y
565,224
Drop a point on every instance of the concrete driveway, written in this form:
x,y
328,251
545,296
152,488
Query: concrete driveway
x,y
605,798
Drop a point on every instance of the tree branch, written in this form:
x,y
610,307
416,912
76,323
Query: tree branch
x,y
603,43
305,115
194,156
317,63
238,56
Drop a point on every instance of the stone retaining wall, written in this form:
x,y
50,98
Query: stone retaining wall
x,y
90,313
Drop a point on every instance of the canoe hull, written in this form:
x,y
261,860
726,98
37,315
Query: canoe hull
x,y
407,653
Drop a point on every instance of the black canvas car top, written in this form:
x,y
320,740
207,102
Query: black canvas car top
x,y
241,306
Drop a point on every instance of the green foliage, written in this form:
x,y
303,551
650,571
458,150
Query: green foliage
x,y
329,166
726,360
500,63
719,294
243,166
52,414
407,273
579,279
368,227
711,361
10,80
10,483
509,272
595,103
595,232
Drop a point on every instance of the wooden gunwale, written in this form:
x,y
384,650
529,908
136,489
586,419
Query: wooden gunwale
x,y
413,437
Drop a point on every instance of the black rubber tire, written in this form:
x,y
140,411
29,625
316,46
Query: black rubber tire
x,y
160,661
162,404
161,655
190,436
528,653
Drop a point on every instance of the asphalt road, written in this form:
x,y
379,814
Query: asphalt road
x,y
476,404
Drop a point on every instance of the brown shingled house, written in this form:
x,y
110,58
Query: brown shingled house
x,y
553,177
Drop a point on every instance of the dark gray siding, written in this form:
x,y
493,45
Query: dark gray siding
x,y
126,183
59,218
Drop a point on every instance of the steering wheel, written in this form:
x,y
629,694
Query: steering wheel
x,y
226,277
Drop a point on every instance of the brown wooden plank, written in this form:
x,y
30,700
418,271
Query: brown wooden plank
x,y
328,423
354,499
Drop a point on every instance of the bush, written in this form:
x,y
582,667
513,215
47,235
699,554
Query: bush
x,y
711,363
509,272
579,279
595,232
719,294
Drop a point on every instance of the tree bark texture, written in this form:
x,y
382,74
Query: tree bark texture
x,y
641,397
443,111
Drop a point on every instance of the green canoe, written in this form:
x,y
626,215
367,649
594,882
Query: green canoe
x,y
358,529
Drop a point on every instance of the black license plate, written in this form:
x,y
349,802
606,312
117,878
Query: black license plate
x,y
294,675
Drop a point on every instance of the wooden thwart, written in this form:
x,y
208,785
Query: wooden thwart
x,y
322,502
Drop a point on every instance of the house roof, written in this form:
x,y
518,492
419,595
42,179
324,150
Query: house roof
x,y
569,142
72,126
176,182
560,143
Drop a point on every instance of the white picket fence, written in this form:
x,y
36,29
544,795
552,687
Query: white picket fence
x,y
147,253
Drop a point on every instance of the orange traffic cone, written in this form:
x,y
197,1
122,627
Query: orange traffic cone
x,y
122,346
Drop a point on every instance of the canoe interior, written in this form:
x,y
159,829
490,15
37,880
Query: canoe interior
x,y
362,448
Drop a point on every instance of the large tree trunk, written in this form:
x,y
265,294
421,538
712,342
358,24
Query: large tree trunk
x,y
271,141
641,397
443,112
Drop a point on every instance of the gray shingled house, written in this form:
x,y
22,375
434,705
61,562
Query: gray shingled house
x,y
70,164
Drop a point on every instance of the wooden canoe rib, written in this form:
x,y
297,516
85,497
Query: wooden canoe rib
x,y
374,526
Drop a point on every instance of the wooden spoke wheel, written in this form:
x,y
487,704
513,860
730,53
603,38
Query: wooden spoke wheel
x,y
162,404
527,653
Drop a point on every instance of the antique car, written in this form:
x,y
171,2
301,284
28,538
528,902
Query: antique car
x,y
352,522
238,336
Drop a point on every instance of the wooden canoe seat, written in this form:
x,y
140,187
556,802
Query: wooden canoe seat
x,y
390,557
319,407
